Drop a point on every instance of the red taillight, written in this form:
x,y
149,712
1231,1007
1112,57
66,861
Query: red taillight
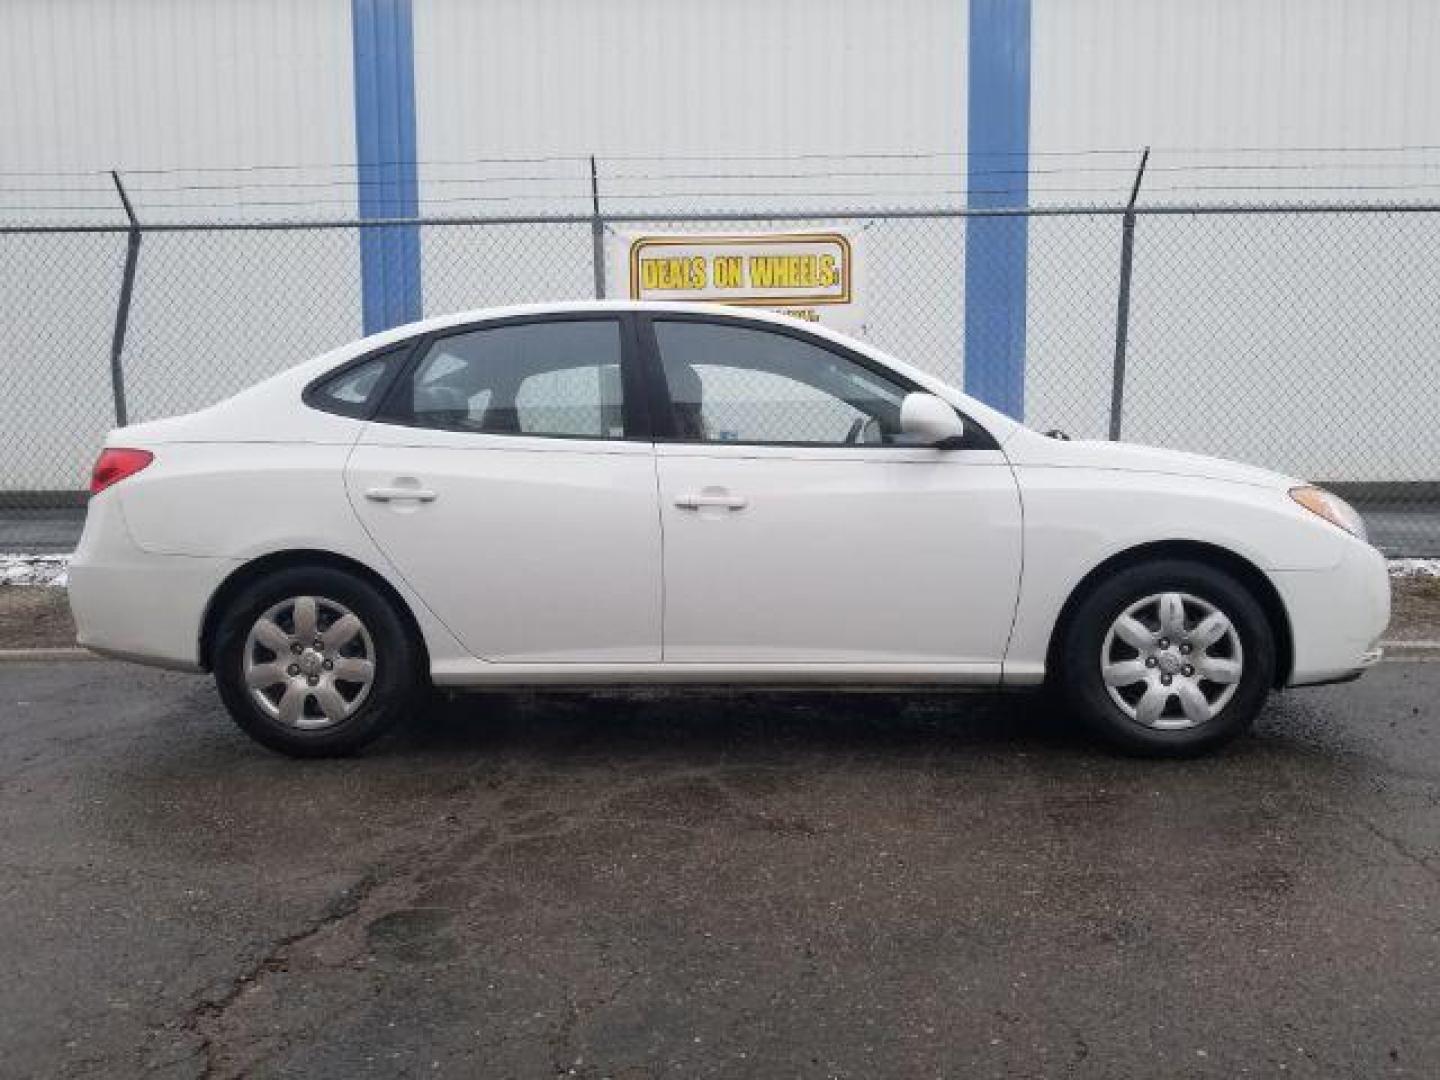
x,y
115,464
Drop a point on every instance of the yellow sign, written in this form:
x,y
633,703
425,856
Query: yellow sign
x,y
809,275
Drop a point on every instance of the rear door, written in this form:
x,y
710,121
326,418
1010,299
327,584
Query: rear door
x,y
798,527
509,483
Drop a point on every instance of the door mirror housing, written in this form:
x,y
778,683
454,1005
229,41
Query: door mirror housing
x,y
930,420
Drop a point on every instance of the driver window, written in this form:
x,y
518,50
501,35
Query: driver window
x,y
745,385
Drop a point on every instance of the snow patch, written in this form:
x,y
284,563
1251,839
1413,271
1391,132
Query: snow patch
x,y
47,570
1415,567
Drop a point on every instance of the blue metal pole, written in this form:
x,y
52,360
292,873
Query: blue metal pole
x,y
385,151
996,248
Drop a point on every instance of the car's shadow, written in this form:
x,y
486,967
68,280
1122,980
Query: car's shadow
x,y
976,734
727,726
968,730
645,757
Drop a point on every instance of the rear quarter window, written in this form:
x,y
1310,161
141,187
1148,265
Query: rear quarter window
x,y
356,389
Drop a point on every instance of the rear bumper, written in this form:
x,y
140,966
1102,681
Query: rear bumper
x,y
136,605
1337,616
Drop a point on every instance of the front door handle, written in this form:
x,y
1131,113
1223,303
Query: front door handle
x,y
697,500
395,494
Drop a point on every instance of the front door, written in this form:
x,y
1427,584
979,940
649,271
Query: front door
x,y
503,486
798,528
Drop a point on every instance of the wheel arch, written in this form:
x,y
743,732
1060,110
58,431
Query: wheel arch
x,y
275,561
1220,558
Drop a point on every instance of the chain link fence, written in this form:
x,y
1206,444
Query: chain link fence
x,y
1302,339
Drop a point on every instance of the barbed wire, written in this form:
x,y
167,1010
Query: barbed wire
x,y
401,208
908,155
555,184
776,178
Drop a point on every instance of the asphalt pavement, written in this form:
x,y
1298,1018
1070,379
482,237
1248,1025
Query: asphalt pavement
x,y
798,886
40,530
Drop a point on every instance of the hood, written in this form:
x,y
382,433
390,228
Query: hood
x,y
1037,449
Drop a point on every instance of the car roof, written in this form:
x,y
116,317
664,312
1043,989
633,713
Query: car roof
x,y
560,307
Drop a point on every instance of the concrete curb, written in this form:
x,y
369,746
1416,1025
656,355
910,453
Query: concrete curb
x,y
40,655
1427,652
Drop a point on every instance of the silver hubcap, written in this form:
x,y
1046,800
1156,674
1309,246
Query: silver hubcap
x,y
309,662
1172,661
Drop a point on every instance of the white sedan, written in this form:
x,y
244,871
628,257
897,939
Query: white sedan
x,y
613,493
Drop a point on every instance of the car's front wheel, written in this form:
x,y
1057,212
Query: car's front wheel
x,y
1170,657
315,662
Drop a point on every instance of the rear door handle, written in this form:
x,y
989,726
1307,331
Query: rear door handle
x,y
395,494
695,500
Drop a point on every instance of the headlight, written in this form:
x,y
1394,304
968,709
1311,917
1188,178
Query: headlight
x,y
1330,507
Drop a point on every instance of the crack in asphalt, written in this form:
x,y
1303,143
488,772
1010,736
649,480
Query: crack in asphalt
x,y
236,1026
580,1009
212,1010
1396,844
1377,767
401,875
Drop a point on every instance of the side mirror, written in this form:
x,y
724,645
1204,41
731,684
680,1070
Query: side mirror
x,y
930,420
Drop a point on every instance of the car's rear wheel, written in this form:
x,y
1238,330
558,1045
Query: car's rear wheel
x,y
315,662
1170,657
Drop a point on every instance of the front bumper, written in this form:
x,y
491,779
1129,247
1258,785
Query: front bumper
x,y
1337,616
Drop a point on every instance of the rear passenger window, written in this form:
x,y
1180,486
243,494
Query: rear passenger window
x,y
354,391
557,378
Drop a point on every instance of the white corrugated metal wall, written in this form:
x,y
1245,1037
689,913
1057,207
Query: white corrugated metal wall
x,y
676,97
145,87
641,77
1234,73
1272,339
174,84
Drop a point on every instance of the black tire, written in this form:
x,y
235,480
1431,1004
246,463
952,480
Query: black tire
x,y
1082,649
396,688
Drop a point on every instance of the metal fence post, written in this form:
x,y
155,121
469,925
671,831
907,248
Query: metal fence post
x,y
1122,311
597,231
122,309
